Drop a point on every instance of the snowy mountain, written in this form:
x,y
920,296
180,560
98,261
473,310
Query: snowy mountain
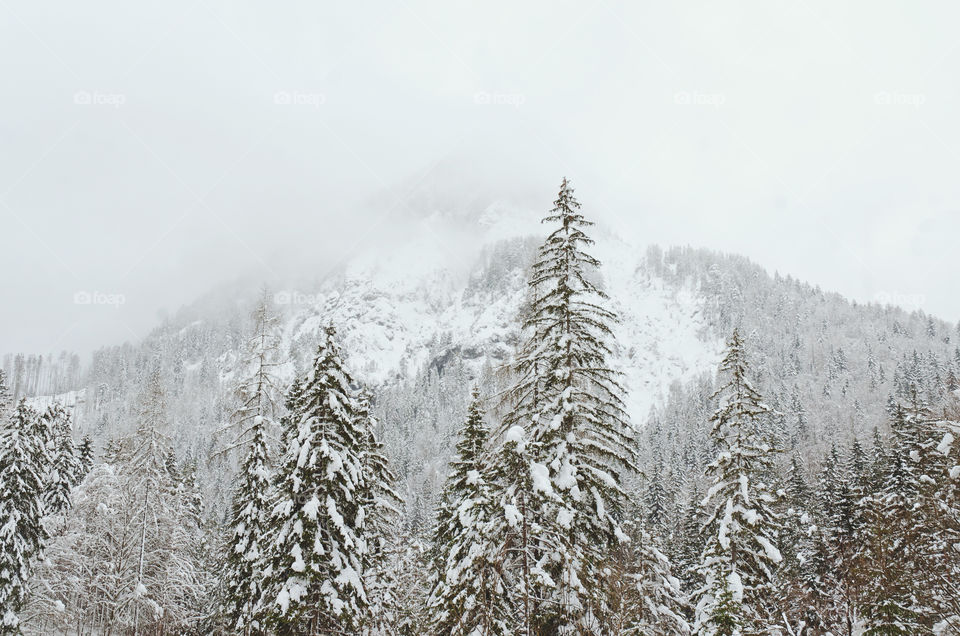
x,y
435,309
399,310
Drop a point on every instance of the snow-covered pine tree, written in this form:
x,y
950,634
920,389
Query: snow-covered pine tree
x,y
152,588
644,596
824,600
66,470
799,493
811,588
655,499
939,514
467,594
191,538
915,523
942,511
22,490
41,432
86,456
858,468
4,394
567,403
740,557
516,548
386,613
891,587
796,505
253,424
846,531
687,543
314,578
837,502
242,574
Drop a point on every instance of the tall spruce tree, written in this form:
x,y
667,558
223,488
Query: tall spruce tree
x,y
23,467
467,595
896,592
796,516
252,424
687,543
66,469
86,456
565,412
386,611
837,502
741,556
655,499
314,581
889,597
812,588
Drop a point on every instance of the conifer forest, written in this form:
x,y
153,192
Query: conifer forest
x,y
554,515
432,318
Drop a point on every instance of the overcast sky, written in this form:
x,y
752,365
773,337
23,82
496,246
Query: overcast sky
x,y
153,150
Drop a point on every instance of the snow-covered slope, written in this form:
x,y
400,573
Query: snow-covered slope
x,y
70,400
662,334
460,289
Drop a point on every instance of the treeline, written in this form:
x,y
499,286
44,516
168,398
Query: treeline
x,y
545,525
28,375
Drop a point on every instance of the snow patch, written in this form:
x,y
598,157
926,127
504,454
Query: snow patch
x,y
945,444
540,475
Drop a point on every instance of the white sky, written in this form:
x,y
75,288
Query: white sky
x,y
143,150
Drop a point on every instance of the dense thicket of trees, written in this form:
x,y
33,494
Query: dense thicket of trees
x,y
810,486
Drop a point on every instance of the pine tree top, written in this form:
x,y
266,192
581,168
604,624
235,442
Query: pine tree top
x,y
563,269
740,406
566,209
563,361
473,438
797,485
259,390
327,385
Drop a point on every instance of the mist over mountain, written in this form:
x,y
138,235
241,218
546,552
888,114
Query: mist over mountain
x,y
437,295
425,323
479,319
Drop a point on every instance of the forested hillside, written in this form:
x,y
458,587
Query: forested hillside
x,y
560,436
